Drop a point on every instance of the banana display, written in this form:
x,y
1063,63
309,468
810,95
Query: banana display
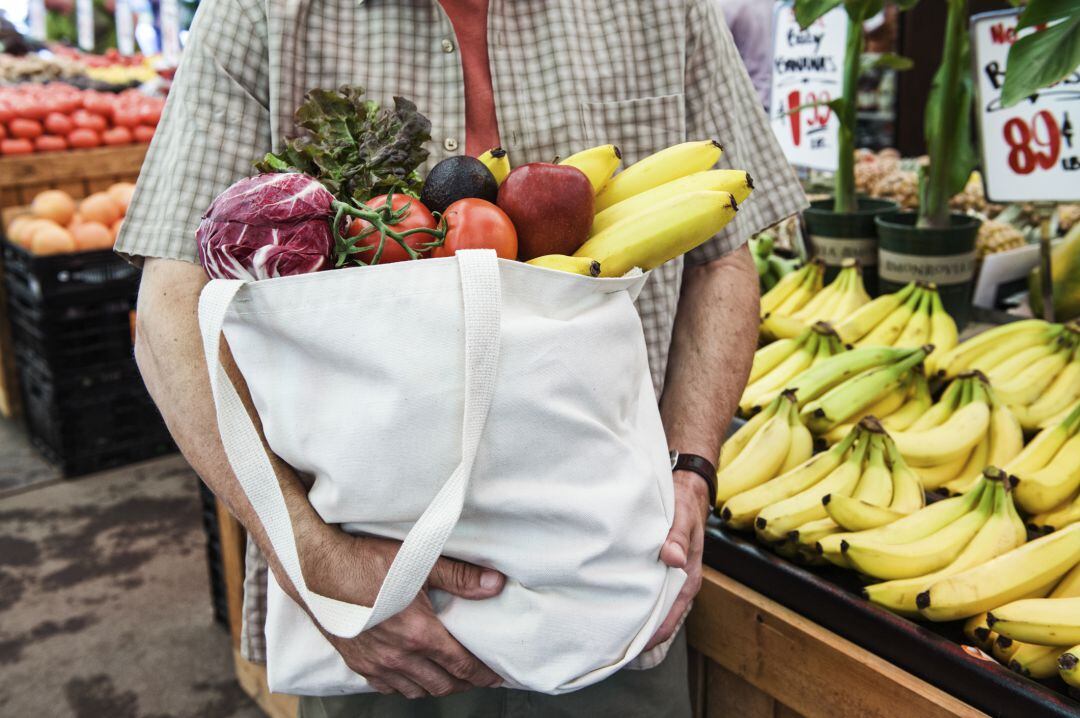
x,y
770,267
808,302
776,364
1034,367
911,317
1048,468
658,208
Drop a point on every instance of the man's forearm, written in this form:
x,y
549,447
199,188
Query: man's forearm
x,y
169,352
712,348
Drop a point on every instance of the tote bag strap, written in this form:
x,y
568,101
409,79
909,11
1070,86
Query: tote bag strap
x,y
481,297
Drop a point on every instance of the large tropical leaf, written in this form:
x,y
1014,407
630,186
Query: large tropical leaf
x,y
1046,56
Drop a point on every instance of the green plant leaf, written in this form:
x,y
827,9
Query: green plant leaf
x,y
860,10
1044,57
1038,12
904,5
809,11
887,60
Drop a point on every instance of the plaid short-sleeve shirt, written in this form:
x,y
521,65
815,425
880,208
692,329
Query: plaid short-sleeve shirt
x,y
567,74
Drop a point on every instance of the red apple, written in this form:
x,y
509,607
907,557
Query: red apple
x,y
551,207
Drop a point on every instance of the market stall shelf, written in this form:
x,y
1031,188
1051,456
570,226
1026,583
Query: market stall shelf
x,y
933,657
78,172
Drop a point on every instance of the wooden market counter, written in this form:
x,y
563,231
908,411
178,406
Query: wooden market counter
x,y
752,657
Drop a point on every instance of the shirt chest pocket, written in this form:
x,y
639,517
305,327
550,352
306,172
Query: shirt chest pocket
x,y
638,127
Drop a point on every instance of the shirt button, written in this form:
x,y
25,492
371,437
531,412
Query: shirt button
x,y
447,46
450,144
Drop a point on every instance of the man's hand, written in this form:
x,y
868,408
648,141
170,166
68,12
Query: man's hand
x,y
684,546
410,653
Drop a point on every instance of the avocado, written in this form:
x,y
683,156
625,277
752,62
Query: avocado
x,y
456,178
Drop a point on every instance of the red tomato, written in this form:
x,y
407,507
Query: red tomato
x,y
68,101
29,107
58,123
83,138
3,132
16,147
50,143
418,216
7,111
478,224
125,115
117,136
88,120
25,129
150,113
143,133
99,103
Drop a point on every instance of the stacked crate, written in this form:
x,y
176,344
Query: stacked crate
x,y
71,317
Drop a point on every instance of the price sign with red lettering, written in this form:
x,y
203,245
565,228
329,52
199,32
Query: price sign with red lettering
x,y
807,68
1030,151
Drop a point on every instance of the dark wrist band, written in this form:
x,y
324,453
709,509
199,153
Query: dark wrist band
x,y
700,466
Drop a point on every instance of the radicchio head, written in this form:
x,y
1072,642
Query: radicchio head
x,y
269,225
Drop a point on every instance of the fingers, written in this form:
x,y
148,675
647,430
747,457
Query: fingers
x,y
456,660
677,546
466,580
398,683
689,589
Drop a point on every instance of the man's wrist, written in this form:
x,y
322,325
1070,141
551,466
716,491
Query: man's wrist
x,y
697,488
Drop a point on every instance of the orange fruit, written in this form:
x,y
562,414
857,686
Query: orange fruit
x,y
116,228
100,207
18,232
53,204
121,194
52,239
89,236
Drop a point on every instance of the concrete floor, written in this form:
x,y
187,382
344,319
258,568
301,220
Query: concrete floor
x,y
104,595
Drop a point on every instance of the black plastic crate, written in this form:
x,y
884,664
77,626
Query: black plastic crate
x,y
75,336
92,420
63,278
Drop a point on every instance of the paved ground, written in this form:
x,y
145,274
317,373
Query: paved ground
x,y
104,596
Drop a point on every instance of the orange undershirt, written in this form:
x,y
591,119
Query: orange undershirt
x,y
469,18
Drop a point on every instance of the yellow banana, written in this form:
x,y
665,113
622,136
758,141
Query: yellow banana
x,y
971,470
917,403
781,326
773,299
735,443
497,161
1036,662
958,435
908,496
852,514
737,182
811,284
976,631
1069,666
740,510
814,309
775,522
943,332
1059,517
657,169
940,412
771,355
886,332
865,318
1050,486
1030,383
1063,393
917,331
762,457
880,409
1020,360
597,163
1002,579
853,298
964,355
801,446
651,238
1044,621
765,389
571,265
1001,533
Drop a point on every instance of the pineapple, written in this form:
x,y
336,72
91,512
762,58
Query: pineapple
x,y
997,237
900,186
1068,215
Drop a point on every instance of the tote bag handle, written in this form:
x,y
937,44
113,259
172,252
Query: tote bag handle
x,y
481,296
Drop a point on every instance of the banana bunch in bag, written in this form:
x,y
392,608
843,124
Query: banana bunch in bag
x,y
808,302
1034,367
778,363
911,317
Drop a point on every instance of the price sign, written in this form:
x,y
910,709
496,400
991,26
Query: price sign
x,y
84,22
807,69
170,31
125,28
1030,151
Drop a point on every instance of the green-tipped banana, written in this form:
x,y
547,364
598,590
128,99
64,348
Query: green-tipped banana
x,y
1043,621
834,371
597,163
571,265
861,391
737,182
1002,579
917,403
497,161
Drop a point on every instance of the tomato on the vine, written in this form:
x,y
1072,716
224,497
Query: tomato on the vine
x,y
417,216
478,224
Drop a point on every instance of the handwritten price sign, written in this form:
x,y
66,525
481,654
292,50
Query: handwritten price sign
x,y
807,67
1030,151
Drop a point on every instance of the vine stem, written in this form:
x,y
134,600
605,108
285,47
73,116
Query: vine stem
x,y
381,219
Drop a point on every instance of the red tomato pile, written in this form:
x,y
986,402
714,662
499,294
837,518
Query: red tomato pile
x,y
54,117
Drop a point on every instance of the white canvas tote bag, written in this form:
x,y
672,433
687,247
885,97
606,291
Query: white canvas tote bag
x,y
473,407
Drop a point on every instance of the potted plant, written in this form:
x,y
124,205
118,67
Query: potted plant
x,y
842,226
935,244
